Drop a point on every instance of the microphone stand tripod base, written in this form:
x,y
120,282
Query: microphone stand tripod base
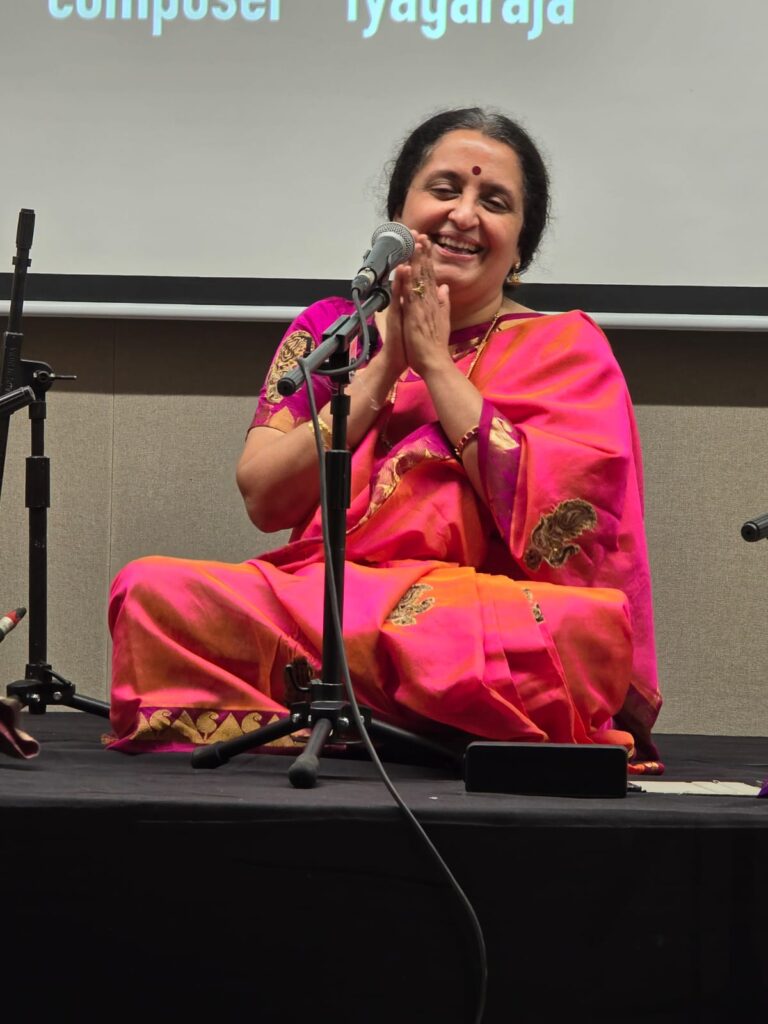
x,y
43,688
331,721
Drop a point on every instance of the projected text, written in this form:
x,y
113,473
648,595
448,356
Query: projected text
x,y
433,17
158,12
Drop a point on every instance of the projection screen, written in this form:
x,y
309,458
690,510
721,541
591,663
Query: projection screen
x,y
246,139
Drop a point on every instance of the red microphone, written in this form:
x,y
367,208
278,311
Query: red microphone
x,y
10,621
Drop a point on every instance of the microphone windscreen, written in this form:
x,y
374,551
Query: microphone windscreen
x,y
402,233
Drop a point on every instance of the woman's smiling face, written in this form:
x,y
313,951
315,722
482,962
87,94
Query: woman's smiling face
x,y
468,198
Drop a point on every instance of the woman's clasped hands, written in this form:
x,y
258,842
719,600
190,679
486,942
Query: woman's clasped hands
x,y
418,323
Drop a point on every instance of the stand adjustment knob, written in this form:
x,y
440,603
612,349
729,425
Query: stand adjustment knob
x,y
48,376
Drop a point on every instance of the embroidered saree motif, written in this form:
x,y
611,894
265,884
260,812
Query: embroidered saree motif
x,y
296,346
552,535
392,473
203,727
410,605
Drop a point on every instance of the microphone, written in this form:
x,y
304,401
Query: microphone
x,y
391,245
755,529
10,621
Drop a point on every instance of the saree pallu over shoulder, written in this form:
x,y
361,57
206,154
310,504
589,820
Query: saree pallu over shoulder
x,y
522,614
560,459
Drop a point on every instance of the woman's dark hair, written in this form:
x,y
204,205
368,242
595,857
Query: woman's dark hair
x,y
417,148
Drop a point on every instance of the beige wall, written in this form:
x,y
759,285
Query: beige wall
x,y
143,447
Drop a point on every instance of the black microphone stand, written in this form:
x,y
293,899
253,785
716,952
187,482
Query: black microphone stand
x,y
326,710
25,382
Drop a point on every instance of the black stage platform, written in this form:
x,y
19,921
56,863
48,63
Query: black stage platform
x,y
138,886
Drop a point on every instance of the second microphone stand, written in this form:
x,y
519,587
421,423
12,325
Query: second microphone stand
x,y
42,686
25,382
327,711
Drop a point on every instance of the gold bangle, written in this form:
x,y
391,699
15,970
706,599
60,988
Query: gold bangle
x,y
464,440
325,432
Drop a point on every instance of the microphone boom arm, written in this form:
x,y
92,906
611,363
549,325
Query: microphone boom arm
x,y
338,337
756,528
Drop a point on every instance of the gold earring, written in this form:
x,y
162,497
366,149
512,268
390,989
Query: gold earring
x,y
513,278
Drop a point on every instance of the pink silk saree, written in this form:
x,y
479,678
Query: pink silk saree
x,y
525,614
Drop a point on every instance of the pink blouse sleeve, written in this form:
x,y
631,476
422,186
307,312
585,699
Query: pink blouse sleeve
x,y
303,335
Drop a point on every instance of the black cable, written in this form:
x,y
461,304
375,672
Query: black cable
x,y
366,347
410,817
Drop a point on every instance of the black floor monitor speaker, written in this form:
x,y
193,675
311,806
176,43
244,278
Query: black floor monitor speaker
x,y
546,769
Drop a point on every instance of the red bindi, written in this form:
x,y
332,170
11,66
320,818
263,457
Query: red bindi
x,y
476,170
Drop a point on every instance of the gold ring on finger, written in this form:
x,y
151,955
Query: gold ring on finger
x,y
418,289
